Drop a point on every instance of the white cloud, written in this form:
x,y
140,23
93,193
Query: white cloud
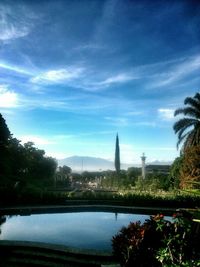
x,y
166,113
37,140
58,76
8,98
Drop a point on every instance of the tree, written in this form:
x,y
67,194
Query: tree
x,y
188,128
66,170
190,170
4,155
117,156
174,173
39,168
4,132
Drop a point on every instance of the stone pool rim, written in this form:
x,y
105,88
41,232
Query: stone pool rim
x,y
28,210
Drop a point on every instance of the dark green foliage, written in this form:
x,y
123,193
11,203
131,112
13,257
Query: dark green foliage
x,y
23,165
158,242
4,132
117,156
4,155
133,174
188,128
175,172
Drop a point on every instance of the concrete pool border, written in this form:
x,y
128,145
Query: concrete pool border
x,y
28,210
33,251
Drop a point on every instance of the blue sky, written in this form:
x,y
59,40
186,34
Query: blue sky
x,y
74,73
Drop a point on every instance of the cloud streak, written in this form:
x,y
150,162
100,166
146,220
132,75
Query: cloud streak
x,y
15,69
58,76
178,72
120,78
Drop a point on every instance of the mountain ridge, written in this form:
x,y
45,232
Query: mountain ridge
x,y
87,163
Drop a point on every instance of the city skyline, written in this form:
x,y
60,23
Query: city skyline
x,y
73,74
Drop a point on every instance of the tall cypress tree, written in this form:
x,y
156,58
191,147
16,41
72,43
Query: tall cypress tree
x,y
117,156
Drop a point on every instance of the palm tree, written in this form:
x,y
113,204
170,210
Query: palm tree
x,y
188,128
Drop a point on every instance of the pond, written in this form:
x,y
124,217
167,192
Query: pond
x,y
83,230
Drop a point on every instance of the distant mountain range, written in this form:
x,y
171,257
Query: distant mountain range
x,y
78,163
157,162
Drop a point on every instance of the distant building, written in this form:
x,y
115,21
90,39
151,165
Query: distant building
x,y
163,169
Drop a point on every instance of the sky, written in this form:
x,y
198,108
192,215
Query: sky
x,y
73,74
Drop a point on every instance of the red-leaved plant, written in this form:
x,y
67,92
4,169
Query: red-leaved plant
x,y
158,242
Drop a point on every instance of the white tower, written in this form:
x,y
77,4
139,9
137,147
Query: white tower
x,y
143,158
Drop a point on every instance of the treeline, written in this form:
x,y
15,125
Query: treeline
x,y
109,180
23,165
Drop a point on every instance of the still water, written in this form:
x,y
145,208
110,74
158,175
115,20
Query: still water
x,y
85,230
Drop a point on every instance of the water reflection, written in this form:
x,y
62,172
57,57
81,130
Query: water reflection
x,y
89,230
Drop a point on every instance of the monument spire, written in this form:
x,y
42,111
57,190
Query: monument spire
x,y
143,158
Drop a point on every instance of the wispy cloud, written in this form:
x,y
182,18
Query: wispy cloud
x,y
90,46
8,98
158,74
16,69
134,113
178,72
119,78
166,113
13,24
118,121
145,123
58,76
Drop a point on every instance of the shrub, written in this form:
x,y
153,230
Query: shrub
x,y
158,242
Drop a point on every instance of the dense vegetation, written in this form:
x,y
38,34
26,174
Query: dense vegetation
x,y
23,166
159,242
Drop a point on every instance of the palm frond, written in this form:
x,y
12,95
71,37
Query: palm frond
x,y
178,111
188,128
195,103
188,111
181,131
181,139
183,123
197,96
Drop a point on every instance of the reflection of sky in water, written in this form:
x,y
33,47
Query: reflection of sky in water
x,y
93,230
